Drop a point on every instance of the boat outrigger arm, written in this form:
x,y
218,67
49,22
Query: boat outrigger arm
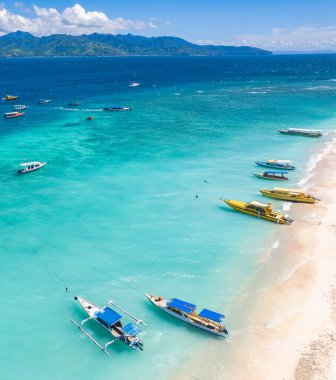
x,y
80,326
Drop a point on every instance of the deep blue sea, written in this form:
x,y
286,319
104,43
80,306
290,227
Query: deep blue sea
x,y
129,202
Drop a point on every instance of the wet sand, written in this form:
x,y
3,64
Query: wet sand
x,y
284,324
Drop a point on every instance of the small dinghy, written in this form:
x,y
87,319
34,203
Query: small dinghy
x,y
27,167
110,320
206,320
272,175
116,108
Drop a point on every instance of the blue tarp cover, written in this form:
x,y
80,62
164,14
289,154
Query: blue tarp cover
x,y
181,305
131,329
205,313
109,316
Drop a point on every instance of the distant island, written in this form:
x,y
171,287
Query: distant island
x,y
22,44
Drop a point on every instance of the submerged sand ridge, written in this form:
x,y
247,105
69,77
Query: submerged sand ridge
x,y
283,322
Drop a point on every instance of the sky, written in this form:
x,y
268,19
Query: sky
x,y
277,25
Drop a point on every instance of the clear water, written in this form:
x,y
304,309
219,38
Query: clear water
x,y
114,213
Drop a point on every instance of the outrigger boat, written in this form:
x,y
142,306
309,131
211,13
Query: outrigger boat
x,y
10,97
260,210
116,108
277,164
110,320
273,175
27,167
206,320
292,195
301,132
19,107
9,115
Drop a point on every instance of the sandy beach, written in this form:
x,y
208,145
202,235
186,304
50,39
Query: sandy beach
x,y
285,316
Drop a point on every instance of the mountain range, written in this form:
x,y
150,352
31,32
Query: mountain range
x,y
23,44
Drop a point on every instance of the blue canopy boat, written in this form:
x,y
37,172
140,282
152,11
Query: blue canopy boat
x,y
110,320
206,320
277,164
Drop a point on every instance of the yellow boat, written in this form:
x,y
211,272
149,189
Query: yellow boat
x,y
10,97
260,210
292,195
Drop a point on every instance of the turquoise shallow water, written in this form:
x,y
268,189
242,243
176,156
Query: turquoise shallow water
x,y
114,213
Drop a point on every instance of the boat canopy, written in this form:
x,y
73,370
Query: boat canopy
x,y
288,190
109,316
205,313
259,204
181,305
276,172
281,161
131,329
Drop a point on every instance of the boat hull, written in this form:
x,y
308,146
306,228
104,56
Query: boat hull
x,y
31,170
314,135
275,166
270,178
287,198
162,306
240,206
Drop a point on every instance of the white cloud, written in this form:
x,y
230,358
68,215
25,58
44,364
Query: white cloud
x,y
72,20
303,38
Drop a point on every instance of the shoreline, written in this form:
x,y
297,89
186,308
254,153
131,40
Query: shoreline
x,y
284,324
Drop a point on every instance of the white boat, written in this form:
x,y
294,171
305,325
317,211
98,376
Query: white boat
x,y
110,320
27,167
18,107
44,101
302,132
9,115
206,320
116,108
134,84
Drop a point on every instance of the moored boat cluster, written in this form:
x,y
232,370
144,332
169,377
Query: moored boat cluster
x,y
278,173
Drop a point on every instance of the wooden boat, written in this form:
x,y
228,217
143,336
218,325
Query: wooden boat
x,y
277,164
110,320
301,132
27,167
10,97
272,175
116,108
292,195
44,101
9,115
206,320
19,107
260,210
